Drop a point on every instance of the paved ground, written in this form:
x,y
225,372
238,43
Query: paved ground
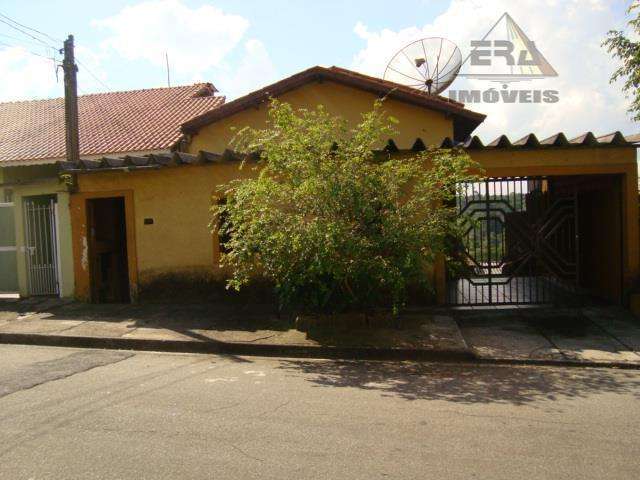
x,y
92,414
253,324
590,334
600,335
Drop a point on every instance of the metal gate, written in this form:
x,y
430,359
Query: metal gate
x,y
519,243
41,245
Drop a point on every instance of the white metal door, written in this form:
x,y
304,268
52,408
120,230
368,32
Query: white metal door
x,y
41,245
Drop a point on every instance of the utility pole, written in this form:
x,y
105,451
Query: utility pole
x,y
72,137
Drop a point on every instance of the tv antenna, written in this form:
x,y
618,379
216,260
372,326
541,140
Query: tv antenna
x,y
429,64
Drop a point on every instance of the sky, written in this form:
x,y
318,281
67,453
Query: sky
x,y
243,45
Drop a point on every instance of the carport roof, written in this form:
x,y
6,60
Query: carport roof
x,y
528,142
587,139
634,138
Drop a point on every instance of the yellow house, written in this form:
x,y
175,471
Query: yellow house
x,y
551,213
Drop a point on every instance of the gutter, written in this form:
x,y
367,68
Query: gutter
x,y
112,169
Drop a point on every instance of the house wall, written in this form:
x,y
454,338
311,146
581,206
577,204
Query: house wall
x,y
27,181
179,242
431,126
35,181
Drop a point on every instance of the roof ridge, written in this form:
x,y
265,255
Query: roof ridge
x,y
181,87
398,85
200,85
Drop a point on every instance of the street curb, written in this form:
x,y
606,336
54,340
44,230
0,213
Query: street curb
x,y
292,351
557,363
217,347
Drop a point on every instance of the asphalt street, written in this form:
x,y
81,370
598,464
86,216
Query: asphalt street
x,y
90,414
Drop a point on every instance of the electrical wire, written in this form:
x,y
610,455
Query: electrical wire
x,y
22,40
16,26
95,77
30,28
26,33
87,69
28,51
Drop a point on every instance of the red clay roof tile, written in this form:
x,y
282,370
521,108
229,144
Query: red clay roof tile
x,y
117,122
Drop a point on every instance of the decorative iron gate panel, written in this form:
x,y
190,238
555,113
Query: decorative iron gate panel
x,y
520,243
41,244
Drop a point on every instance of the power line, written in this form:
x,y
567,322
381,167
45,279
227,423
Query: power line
x,y
122,128
96,78
28,51
132,109
138,111
22,40
26,33
31,28
48,45
87,69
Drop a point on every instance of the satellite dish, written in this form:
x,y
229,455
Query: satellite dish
x,y
430,65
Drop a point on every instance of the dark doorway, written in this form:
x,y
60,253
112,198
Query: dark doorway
x,y
108,250
600,227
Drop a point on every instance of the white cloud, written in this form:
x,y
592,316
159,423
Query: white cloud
x,y
92,76
196,39
254,70
567,32
26,76
203,43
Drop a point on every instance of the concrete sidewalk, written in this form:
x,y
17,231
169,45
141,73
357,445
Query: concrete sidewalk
x,y
603,336
208,328
590,335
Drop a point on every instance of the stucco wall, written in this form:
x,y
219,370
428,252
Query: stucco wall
x,y
178,200
431,126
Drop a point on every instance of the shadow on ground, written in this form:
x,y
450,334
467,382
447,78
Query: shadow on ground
x,y
248,323
467,384
180,318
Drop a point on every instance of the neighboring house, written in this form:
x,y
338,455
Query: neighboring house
x,y
35,229
551,213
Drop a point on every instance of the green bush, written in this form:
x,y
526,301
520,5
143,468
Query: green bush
x,y
334,224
